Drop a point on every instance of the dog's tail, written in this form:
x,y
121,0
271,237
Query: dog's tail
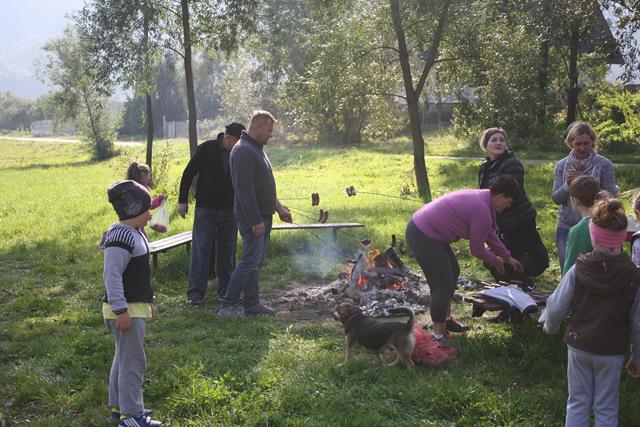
x,y
408,312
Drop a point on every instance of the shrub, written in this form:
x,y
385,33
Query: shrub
x,y
616,116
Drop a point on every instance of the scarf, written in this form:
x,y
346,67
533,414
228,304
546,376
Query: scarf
x,y
581,165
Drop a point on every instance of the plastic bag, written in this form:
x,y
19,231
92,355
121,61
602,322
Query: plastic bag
x,y
160,220
429,352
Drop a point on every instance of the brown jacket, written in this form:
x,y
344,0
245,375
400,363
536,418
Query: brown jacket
x,y
606,287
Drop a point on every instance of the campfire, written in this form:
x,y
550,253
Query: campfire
x,y
375,280
378,281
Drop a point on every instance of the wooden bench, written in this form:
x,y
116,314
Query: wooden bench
x,y
163,245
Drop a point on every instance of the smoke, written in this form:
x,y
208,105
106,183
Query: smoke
x,y
318,256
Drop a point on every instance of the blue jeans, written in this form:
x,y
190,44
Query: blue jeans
x,y
562,234
212,229
245,279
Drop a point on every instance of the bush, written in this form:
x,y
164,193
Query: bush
x,y
616,115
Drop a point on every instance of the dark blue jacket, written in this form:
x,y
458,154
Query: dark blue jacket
x,y
253,181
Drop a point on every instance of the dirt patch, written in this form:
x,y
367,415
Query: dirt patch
x,y
297,302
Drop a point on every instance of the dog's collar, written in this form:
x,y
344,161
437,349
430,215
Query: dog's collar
x,y
350,318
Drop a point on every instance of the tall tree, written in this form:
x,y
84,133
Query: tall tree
x,y
82,96
412,92
574,28
188,74
214,25
123,38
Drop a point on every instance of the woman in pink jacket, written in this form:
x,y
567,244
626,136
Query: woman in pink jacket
x,y
462,214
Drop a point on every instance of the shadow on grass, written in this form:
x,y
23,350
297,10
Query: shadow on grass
x,y
46,166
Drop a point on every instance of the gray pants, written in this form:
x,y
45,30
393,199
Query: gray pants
x,y
128,367
594,385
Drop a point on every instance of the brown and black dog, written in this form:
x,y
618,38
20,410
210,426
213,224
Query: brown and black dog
x,y
376,336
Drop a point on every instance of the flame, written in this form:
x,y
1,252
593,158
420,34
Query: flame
x,y
375,276
362,282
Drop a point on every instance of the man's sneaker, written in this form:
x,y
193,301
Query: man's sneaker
x,y
231,311
115,413
454,326
260,310
139,421
196,302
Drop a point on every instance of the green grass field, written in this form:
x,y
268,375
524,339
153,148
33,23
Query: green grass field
x,y
55,352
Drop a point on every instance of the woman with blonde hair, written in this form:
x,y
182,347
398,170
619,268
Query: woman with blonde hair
x,y
582,160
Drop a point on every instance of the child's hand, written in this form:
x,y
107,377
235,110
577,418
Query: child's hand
x,y
633,369
123,321
154,313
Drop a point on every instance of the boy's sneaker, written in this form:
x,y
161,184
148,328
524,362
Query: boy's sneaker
x,y
139,421
454,326
261,310
231,311
116,416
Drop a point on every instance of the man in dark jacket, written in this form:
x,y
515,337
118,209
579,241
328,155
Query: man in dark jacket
x,y
214,227
255,203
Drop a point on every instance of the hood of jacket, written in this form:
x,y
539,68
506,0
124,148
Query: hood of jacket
x,y
602,273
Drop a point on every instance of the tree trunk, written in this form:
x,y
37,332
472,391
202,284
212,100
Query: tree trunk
x,y
573,90
413,95
147,90
149,127
188,74
92,121
543,71
543,83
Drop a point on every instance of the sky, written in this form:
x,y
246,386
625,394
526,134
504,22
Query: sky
x,y
26,26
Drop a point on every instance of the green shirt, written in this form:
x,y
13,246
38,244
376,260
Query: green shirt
x,y
578,242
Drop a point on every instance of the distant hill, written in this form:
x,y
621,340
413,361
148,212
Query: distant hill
x,y
25,27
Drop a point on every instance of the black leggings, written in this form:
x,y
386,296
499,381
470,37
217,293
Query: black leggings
x,y
440,267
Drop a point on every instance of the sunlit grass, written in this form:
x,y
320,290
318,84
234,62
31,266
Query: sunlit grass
x,y
55,352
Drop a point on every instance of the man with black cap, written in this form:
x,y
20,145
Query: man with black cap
x,y
214,226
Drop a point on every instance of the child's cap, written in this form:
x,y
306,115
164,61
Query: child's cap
x,y
129,199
